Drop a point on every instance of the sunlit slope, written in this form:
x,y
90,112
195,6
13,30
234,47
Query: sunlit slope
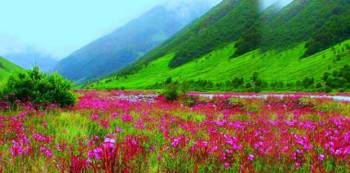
x,y
218,66
6,69
318,23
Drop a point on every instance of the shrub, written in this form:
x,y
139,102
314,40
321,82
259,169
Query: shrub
x,y
338,79
170,92
237,82
308,83
168,81
256,84
38,88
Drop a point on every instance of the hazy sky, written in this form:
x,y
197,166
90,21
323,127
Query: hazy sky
x,y
59,27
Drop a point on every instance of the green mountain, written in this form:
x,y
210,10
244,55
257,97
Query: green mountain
x,y
238,38
6,69
126,44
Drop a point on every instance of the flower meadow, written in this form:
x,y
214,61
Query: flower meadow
x,y
105,132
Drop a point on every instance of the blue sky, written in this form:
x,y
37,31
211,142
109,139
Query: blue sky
x,y
58,27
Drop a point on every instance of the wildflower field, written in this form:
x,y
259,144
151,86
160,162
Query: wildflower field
x,y
109,131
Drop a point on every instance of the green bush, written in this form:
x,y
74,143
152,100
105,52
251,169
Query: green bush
x,y
38,88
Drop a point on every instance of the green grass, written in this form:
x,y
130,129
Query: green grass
x,y
6,69
217,66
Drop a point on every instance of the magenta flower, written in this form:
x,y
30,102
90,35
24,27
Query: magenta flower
x,y
105,124
159,157
127,118
61,147
94,117
118,130
96,153
114,115
16,149
321,157
227,165
109,143
91,154
139,124
176,142
47,152
41,138
251,157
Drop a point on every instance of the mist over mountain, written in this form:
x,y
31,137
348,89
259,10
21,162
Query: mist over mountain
x,y
280,3
28,58
126,44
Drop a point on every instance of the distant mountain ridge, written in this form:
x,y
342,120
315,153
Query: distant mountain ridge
x,y
123,46
29,58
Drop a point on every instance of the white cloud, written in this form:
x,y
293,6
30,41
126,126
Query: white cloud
x,y
175,4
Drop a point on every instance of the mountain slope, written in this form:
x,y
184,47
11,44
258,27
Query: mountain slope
x,y
29,58
217,66
281,44
212,30
306,20
122,47
6,69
